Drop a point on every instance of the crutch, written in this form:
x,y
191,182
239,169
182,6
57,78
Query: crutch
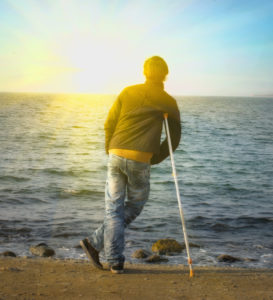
x,y
177,192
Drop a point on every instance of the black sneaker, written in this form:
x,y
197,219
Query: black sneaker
x,y
91,253
117,269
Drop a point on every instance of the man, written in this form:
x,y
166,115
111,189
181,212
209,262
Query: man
x,y
132,140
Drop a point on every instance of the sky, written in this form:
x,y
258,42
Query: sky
x,y
212,47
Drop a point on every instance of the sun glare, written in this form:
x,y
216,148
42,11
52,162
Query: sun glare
x,y
96,65
71,55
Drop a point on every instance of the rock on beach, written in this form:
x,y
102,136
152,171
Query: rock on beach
x,y
231,259
228,258
7,253
156,258
141,253
42,249
167,246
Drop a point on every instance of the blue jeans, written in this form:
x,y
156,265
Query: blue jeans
x,y
124,177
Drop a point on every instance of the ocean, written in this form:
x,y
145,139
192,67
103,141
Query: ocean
x,y
53,171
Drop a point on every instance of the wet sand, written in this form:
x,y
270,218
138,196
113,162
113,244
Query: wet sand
x,y
43,278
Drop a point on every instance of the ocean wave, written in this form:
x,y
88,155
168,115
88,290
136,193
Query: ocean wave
x,y
32,200
225,224
65,234
77,126
69,172
196,204
199,219
162,182
8,232
11,200
46,135
220,227
23,200
78,193
13,178
255,220
232,188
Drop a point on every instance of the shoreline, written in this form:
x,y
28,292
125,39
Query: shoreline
x,y
47,278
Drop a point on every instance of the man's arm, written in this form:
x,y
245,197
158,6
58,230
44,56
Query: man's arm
x,y
111,122
175,133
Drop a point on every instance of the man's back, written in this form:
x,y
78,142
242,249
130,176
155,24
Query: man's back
x,y
135,120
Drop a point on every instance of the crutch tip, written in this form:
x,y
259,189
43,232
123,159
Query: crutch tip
x,y
191,273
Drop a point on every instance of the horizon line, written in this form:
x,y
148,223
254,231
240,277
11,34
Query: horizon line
x,y
114,94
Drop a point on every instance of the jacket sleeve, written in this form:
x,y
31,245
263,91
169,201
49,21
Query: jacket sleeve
x,y
111,122
175,133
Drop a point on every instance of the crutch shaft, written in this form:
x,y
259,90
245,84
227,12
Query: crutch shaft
x,y
177,192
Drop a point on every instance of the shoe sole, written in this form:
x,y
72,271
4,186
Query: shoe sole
x,y
117,271
95,264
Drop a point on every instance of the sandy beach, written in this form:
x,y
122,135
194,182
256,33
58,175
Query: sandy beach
x,y
43,278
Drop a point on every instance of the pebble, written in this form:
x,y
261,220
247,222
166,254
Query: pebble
x,y
8,253
155,258
141,253
228,258
42,249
